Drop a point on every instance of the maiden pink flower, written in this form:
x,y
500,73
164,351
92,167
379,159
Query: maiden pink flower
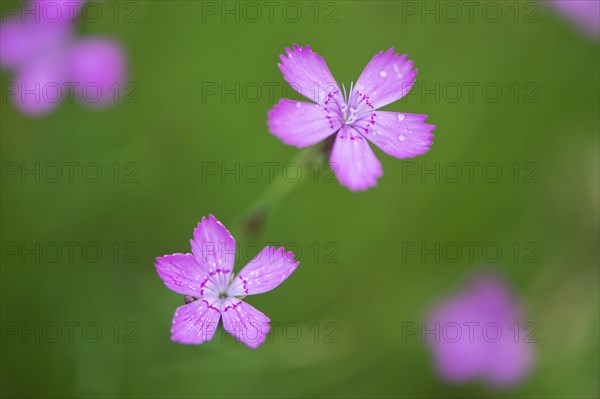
x,y
214,292
479,334
352,117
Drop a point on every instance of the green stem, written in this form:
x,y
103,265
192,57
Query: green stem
x,y
249,224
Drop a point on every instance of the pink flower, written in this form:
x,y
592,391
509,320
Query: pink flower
x,y
49,61
214,292
478,334
351,118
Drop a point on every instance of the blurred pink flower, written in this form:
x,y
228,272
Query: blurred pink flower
x,y
98,61
583,13
51,63
478,334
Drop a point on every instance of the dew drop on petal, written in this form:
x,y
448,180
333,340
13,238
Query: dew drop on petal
x,y
401,137
400,117
383,74
298,104
397,71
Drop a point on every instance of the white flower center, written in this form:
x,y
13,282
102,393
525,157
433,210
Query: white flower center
x,y
355,105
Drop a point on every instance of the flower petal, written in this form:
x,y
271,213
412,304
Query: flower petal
x,y
387,78
353,161
99,66
513,358
40,84
302,124
456,360
181,273
582,13
17,43
308,74
22,41
266,271
246,324
54,12
214,247
195,322
401,135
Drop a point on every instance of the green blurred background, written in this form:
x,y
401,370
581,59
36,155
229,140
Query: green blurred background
x,y
375,287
